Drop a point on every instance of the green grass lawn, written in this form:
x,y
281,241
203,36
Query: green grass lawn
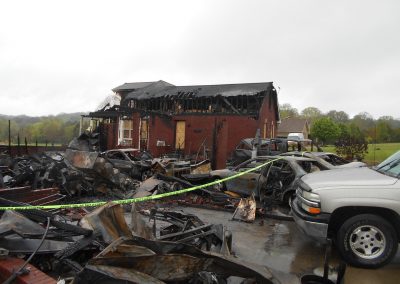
x,y
376,152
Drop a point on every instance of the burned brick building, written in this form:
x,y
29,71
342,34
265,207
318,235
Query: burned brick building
x,y
193,120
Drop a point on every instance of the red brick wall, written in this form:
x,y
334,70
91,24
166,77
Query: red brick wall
x,y
161,128
267,114
112,134
230,129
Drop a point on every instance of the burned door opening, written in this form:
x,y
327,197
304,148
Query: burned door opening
x,y
144,133
180,135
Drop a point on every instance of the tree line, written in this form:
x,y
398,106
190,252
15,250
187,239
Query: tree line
x,y
349,135
59,129
330,126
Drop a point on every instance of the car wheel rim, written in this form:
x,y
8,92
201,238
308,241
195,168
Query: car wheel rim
x,y
218,187
367,242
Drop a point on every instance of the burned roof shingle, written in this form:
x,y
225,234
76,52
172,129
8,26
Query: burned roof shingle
x,y
158,89
136,86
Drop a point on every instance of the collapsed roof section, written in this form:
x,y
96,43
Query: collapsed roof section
x,y
131,86
162,89
240,99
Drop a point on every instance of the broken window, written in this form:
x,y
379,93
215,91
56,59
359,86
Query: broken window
x,y
126,132
311,166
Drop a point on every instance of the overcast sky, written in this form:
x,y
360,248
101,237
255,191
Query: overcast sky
x,y
66,56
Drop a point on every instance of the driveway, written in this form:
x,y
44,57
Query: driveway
x,y
283,248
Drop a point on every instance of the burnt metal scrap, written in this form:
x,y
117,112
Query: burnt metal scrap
x,y
246,210
74,173
177,168
84,171
22,234
102,247
99,175
204,197
130,259
67,245
133,162
138,260
189,229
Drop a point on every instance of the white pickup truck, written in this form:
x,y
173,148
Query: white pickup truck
x,y
359,208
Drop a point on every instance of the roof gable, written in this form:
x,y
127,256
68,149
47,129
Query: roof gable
x,y
136,85
293,125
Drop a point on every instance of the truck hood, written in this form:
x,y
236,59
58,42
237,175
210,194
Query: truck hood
x,y
349,177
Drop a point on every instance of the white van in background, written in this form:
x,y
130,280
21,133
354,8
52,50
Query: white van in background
x,y
295,136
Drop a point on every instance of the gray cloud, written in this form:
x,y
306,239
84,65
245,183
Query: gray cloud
x,y
63,57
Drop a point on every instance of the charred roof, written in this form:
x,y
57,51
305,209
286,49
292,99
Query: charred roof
x,y
136,85
160,89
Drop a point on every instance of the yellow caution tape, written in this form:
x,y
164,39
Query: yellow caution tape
x,y
137,199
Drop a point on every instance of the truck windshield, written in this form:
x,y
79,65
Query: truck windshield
x,y
390,166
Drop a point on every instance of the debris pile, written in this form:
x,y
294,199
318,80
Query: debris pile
x,y
78,172
101,247
159,245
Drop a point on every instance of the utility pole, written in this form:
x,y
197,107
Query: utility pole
x,y
375,142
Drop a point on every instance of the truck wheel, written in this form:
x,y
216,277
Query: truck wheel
x,y
367,240
288,197
146,174
218,186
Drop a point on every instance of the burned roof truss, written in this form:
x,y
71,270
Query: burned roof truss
x,y
190,104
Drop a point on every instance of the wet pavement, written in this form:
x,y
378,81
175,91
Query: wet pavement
x,y
280,246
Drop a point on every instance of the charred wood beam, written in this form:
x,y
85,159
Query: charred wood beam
x,y
231,106
201,235
187,232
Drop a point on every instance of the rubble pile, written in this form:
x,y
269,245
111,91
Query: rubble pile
x,y
160,245
101,247
80,171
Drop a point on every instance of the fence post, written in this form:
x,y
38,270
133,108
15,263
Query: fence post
x,y
18,146
26,146
9,137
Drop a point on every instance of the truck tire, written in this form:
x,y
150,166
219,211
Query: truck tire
x,y
367,240
288,197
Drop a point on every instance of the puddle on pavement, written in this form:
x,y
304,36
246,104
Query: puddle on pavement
x,y
280,237
291,251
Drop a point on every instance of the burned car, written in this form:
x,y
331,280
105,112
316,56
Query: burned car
x,y
338,161
134,162
331,160
262,147
275,181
